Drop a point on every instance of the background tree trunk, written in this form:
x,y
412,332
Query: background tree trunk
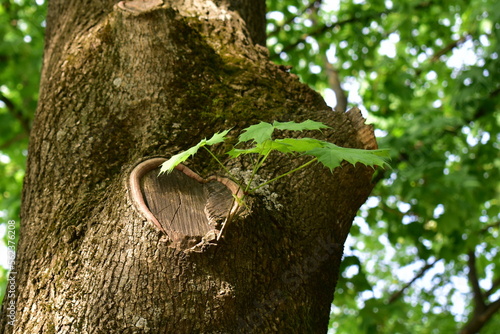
x,y
140,79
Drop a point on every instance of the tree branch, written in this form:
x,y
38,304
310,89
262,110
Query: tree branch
x,y
479,304
492,225
16,138
449,47
334,82
395,296
313,3
16,112
493,289
327,27
482,311
478,320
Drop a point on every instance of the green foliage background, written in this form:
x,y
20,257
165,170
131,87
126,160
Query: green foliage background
x,y
426,75
21,48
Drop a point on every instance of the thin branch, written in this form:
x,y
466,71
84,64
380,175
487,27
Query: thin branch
x,y
311,4
479,320
485,109
481,111
334,82
492,225
482,310
16,112
437,56
325,28
449,47
8,102
479,304
16,138
493,289
395,296
332,75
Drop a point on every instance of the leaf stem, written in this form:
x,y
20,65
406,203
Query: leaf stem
x,y
285,174
231,176
256,167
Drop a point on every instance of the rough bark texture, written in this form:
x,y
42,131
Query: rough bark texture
x,y
140,79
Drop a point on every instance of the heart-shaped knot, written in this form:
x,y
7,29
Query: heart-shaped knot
x,y
182,204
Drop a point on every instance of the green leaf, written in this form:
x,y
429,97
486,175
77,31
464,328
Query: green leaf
x,y
236,152
301,144
262,148
263,131
332,156
326,156
217,138
257,132
293,126
169,165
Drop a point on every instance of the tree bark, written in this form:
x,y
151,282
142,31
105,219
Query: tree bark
x,y
122,83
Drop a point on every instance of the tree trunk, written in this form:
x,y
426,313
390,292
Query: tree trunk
x,y
124,83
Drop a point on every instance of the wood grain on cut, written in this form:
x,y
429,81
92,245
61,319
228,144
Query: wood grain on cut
x,y
186,208
219,202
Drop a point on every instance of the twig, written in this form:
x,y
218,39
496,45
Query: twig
x,y
478,320
395,296
493,289
449,47
291,19
479,304
16,112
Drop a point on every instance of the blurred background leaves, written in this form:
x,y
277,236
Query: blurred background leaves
x,y
423,253
21,48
